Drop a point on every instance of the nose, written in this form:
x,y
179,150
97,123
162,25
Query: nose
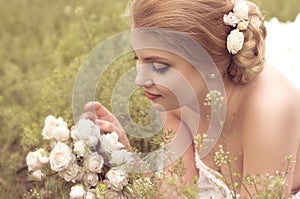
x,y
143,77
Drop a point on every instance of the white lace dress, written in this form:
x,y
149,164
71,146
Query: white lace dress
x,y
211,185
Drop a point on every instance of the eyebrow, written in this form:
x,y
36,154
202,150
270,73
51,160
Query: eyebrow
x,y
153,58
150,58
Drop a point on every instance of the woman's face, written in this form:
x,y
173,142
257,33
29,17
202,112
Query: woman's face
x,y
168,80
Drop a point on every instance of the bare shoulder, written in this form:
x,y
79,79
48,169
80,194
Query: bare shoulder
x,y
273,92
274,102
270,129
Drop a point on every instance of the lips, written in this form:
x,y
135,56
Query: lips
x,y
152,96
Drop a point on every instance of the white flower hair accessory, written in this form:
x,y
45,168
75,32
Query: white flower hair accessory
x,y
237,18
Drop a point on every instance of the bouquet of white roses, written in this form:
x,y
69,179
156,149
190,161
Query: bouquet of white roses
x,y
93,162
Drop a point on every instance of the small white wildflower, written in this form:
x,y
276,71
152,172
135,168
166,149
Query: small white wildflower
x,y
79,11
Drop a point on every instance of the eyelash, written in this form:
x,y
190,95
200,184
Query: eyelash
x,y
160,70
155,69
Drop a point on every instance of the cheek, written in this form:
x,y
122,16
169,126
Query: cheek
x,y
179,86
197,83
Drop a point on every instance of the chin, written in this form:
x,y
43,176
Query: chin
x,y
163,108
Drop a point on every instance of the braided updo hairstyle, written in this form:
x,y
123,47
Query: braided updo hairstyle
x,y
203,21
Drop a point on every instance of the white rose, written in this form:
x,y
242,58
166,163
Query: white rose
x,y
75,134
36,160
119,157
110,143
60,122
117,179
55,128
92,141
43,156
88,131
93,163
77,192
72,173
50,120
243,25
230,19
61,157
47,132
91,179
235,41
38,175
111,193
90,195
79,148
61,133
241,9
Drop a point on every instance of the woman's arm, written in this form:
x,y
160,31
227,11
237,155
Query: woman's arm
x,y
269,135
182,146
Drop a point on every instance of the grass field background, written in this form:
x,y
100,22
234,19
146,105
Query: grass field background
x,y
42,45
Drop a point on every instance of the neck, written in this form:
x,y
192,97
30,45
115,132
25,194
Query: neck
x,y
232,92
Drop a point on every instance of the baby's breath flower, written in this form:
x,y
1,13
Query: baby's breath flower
x,y
288,157
199,139
221,156
79,11
68,10
213,97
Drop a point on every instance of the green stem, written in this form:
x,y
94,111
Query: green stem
x,y
256,190
248,192
287,168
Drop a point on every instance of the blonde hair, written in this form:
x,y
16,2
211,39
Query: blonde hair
x,y
203,21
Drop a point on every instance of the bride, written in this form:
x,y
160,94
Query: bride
x,y
259,112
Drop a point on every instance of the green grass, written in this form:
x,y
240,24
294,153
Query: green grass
x,y
42,45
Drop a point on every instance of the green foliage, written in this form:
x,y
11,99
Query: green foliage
x,y
42,45
283,10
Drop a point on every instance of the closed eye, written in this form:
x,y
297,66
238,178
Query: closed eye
x,y
160,67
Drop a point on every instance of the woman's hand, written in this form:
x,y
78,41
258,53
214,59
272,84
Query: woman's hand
x,y
105,120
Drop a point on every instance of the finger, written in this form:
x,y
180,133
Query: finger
x,y
92,106
100,110
89,115
107,127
